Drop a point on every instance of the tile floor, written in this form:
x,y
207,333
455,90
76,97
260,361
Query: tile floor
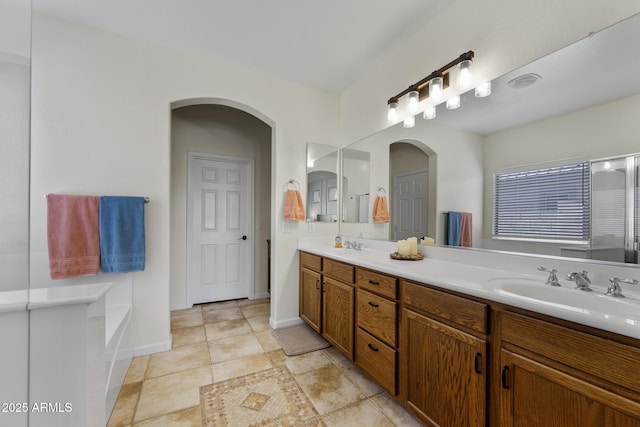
x,y
222,341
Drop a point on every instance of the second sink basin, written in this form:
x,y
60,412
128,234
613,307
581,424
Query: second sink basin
x,y
590,303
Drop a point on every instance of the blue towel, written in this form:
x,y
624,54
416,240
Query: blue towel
x,y
453,227
122,247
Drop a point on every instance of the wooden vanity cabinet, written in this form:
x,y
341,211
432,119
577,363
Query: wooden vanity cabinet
x,y
311,290
377,327
555,376
443,376
327,299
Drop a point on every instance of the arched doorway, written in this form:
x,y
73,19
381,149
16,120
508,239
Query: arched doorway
x,y
228,130
412,180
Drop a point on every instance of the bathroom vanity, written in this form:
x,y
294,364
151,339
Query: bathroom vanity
x,y
459,339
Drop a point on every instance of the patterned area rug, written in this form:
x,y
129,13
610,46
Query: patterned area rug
x,y
267,398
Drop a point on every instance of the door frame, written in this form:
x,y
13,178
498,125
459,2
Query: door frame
x,y
191,156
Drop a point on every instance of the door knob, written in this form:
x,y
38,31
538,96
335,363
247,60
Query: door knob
x,y
243,238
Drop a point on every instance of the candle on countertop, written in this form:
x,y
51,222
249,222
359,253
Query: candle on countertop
x,y
403,248
413,245
427,241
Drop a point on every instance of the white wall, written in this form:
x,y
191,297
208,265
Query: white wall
x,y
220,130
610,129
101,125
503,34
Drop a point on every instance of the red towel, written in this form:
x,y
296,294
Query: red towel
x,y
465,229
293,206
380,210
73,235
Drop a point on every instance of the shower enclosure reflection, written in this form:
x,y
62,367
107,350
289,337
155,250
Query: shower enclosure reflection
x,y
322,183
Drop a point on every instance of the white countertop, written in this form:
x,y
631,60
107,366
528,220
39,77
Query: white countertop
x,y
525,291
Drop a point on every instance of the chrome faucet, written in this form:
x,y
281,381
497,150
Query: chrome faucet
x,y
582,280
552,280
614,289
348,244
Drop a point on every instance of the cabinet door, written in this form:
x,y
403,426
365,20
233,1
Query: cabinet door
x,y
536,395
443,377
338,308
311,298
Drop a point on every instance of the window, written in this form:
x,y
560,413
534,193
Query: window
x,y
549,203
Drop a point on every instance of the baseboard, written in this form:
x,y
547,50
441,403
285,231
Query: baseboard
x,y
153,348
285,323
179,307
262,295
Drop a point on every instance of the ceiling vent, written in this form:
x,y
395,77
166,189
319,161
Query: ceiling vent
x,y
524,80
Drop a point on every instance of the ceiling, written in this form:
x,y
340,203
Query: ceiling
x,y
325,44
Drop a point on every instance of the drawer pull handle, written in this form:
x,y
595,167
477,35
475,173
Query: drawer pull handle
x,y
505,372
374,305
476,363
372,347
317,283
373,282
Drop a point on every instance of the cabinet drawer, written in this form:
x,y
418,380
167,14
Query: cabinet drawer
x,y
608,360
338,270
377,282
459,310
377,316
313,262
377,359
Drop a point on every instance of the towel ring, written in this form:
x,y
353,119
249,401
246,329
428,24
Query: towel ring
x,y
296,184
381,189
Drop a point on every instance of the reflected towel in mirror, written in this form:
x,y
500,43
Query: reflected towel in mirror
x,y
381,210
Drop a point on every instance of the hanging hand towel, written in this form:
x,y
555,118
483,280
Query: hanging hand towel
x,y
122,246
380,210
465,229
72,235
293,206
452,231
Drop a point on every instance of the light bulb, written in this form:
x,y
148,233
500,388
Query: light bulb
x,y
392,114
412,107
453,103
429,112
409,122
464,74
483,89
435,88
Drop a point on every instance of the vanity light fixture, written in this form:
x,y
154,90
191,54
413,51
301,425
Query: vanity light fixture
x,y
412,107
429,112
432,86
453,103
409,122
483,89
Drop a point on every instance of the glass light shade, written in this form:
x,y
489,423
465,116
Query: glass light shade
x,y
464,74
453,103
429,112
412,107
392,114
483,89
435,88
409,122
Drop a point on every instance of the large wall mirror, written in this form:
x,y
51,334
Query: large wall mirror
x,y
356,198
322,183
577,105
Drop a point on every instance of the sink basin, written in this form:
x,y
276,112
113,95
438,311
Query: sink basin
x,y
590,303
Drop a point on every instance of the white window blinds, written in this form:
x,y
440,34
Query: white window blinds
x,y
544,203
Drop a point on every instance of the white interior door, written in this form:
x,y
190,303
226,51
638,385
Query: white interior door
x,y
411,195
220,256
